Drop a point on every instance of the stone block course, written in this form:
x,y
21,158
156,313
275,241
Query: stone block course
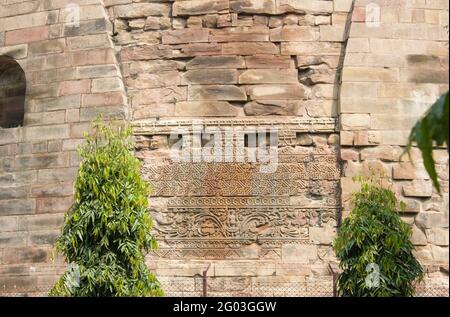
x,y
240,61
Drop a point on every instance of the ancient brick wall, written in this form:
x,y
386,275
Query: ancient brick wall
x,y
237,65
71,75
230,69
394,68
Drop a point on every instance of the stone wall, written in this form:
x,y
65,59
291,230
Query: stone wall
x,y
392,72
71,75
242,65
174,66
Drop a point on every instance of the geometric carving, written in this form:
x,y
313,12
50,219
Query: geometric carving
x,y
231,210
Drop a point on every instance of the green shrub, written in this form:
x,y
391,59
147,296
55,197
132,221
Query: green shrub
x,y
374,238
107,230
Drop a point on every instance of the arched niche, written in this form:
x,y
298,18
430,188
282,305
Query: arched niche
x,y
12,93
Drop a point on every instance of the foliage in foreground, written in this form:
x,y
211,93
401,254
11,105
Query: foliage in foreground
x,y
433,127
373,239
107,230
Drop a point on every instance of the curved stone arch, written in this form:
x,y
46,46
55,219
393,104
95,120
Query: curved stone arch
x,y
13,85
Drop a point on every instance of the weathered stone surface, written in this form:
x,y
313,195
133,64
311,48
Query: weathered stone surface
x,y
437,236
418,189
428,220
253,6
216,92
268,61
314,6
418,237
243,48
17,206
355,121
253,34
199,7
207,62
293,34
403,171
277,92
205,108
141,10
322,235
300,252
208,76
268,76
185,36
274,107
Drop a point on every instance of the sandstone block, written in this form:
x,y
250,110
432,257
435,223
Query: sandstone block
x,y
141,10
314,6
10,207
342,5
14,192
53,204
57,174
277,92
418,188
252,34
94,57
38,161
319,235
216,62
199,7
41,222
115,98
205,108
84,72
185,36
440,254
370,74
9,224
242,48
349,155
27,35
107,84
274,107
74,87
53,189
437,236
355,121
145,52
46,132
299,252
404,171
310,48
88,27
25,255
418,236
332,33
294,34
201,49
268,76
429,220
107,112
210,76
216,92
254,6
268,61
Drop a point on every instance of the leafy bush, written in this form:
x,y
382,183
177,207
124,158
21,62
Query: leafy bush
x,y
107,229
433,127
373,239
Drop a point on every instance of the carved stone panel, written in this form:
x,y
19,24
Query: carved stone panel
x,y
234,209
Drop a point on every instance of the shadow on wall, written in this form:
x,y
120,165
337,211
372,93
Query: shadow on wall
x,y
12,93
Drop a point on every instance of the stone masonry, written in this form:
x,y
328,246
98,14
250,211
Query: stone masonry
x,y
340,82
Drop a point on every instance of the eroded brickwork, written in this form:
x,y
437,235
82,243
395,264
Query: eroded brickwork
x,y
71,76
238,64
